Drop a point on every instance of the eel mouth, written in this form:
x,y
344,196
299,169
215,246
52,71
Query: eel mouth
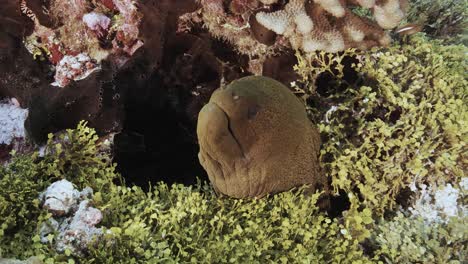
x,y
228,127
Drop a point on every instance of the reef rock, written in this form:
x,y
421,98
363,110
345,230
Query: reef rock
x,y
255,139
11,121
74,219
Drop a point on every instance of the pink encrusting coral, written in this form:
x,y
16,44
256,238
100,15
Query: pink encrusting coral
x,y
87,32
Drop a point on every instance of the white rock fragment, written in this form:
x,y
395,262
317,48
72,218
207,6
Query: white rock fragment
x,y
82,229
74,219
446,200
60,197
12,119
437,205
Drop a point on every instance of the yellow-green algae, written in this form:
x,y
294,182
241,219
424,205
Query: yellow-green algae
x,y
370,153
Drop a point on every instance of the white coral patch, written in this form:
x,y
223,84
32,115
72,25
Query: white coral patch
x,y
73,68
277,21
12,119
389,15
438,204
332,6
311,44
335,42
354,33
304,23
60,197
446,200
74,219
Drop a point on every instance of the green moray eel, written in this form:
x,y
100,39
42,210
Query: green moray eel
x,y
255,139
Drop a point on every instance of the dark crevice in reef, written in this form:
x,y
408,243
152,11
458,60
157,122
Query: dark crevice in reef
x,y
156,144
338,204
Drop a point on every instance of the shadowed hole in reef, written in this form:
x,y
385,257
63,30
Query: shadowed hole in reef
x,y
156,144
338,204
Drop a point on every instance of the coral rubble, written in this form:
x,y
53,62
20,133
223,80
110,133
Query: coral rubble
x,y
73,217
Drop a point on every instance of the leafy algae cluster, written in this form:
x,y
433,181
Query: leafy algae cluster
x,y
401,123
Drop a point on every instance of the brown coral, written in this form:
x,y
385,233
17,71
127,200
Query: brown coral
x,y
331,26
255,139
310,25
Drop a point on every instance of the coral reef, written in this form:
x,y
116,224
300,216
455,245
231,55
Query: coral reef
x,y
242,129
404,239
328,25
100,97
105,31
73,68
392,124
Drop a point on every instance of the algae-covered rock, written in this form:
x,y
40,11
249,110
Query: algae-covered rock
x,y
255,139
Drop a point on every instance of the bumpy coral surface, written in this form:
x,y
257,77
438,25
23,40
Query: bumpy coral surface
x,y
328,25
255,139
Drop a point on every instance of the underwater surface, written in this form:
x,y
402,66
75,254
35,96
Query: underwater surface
x,y
233,131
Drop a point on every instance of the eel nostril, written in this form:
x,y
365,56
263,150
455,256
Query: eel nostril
x,y
252,111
